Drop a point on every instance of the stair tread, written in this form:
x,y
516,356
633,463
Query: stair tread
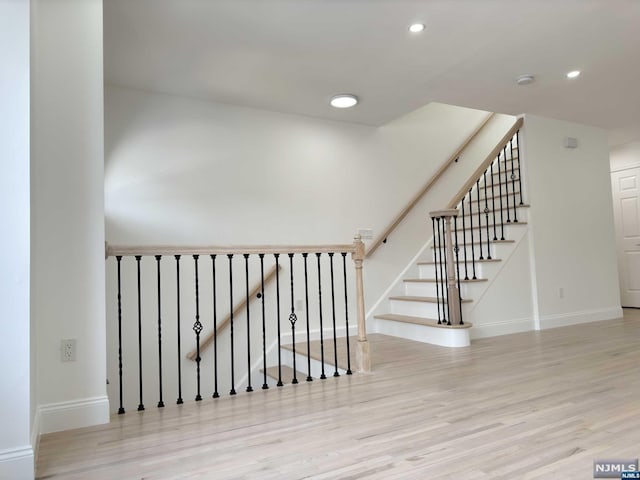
x,y
428,322
494,241
329,358
484,226
413,298
466,213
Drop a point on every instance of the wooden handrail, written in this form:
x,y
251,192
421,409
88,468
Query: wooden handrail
x,y
126,250
380,239
238,307
485,164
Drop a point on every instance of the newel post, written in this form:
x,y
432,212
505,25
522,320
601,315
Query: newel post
x,y
453,292
363,358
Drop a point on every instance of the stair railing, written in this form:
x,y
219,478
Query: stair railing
x,y
487,201
221,262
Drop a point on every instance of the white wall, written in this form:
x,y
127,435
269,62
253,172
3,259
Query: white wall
x,y
67,223
572,222
625,156
16,454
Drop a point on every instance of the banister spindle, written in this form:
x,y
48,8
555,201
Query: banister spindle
x,y
436,265
179,401
216,394
246,283
141,404
322,375
346,310
233,383
473,251
464,240
486,215
306,306
456,250
121,409
513,183
277,257
493,204
519,164
506,183
441,266
160,401
500,192
333,311
479,219
197,328
447,267
265,385
293,318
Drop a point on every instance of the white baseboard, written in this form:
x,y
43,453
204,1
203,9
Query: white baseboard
x,y
86,412
506,327
575,318
17,463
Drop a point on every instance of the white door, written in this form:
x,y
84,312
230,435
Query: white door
x,y
626,207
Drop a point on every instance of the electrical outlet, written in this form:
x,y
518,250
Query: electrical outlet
x,y
68,350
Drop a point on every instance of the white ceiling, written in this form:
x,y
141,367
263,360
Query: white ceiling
x,y
293,55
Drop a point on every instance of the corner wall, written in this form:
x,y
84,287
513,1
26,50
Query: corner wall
x,y
16,452
67,207
572,228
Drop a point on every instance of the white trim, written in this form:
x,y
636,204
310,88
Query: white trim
x,y
576,318
626,167
445,337
506,327
17,463
85,412
385,295
35,434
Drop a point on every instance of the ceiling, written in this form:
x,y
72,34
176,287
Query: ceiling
x,y
293,55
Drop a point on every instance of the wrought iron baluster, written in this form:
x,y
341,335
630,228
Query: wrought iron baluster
x,y
506,183
264,326
233,383
322,376
160,402
445,277
292,320
333,310
473,251
346,310
306,307
442,265
246,283
486,215
479,220
121,409
179,401
215,327
513,183
141,404
464,240
436,265
456,249
277,257
500,192
493,204
197,328
519,164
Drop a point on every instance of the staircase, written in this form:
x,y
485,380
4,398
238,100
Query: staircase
x,y
485,228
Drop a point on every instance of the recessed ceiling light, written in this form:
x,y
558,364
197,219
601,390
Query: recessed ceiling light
x,y
525,79
344,100
416,27
573,74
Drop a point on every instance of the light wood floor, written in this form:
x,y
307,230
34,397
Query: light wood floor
x,y
525,406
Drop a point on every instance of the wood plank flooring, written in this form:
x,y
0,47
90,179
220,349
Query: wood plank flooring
x,y
537,405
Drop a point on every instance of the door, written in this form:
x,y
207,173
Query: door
x,y
626,208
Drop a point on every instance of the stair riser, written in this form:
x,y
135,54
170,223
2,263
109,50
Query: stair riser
x,y
520,211
417,309
433,335
301,364
483,270
428,289
495,249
